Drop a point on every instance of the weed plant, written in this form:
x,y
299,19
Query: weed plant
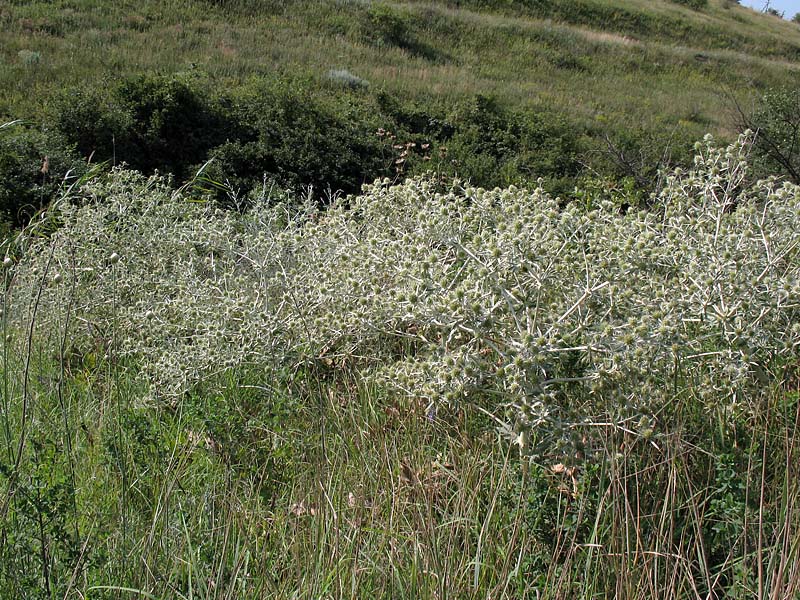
x,y
425,390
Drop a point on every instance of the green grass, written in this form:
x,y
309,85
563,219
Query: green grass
x,y
258,494
440,54
343,492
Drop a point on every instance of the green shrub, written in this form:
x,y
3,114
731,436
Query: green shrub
x,y
33,165
168,123
639,153
290,137
693,4
96,123
283,133
176,122
265,130
776,119
411,118
383,25
495,147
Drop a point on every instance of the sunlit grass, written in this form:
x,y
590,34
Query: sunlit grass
x,y
577,68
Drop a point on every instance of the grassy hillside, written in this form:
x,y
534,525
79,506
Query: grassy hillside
x,y
591,57
615,89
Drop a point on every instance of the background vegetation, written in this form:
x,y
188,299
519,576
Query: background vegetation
x,y
292,94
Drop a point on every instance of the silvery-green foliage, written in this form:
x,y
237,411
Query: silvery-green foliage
x,y
29,57
345,78
560,320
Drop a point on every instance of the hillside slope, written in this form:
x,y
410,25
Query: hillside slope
x,y
599,87
525,51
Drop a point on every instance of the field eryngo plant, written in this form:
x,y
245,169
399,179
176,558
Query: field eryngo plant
x,y
560,321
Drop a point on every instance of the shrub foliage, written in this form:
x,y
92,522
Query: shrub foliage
x,y
33,166
776,118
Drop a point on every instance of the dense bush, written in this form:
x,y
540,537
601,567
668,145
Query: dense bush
x,y
294,139
284,134
694,4
33,165
385,26
176,122
149,122
776,118
334,138
265,130
495,147
98,125
639,154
